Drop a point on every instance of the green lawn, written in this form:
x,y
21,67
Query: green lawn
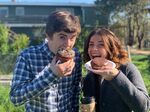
x,y
5,104
142,62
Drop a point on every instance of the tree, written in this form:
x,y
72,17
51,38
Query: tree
x,y
106,7
137,22
131,14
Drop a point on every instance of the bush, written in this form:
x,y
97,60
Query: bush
x,y
21,41
7,62
4,47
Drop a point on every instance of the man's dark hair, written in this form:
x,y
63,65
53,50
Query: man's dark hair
x,y
62,21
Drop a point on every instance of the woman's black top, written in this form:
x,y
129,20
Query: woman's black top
x,y
125,93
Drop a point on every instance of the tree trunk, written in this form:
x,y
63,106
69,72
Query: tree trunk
x,y
131,33
140,38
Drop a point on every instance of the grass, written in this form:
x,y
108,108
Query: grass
x,y
5,103
143,64
141,61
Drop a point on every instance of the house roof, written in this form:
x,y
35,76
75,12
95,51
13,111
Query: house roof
x,y
45,4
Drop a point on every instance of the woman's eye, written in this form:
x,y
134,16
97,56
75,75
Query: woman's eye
x,y
100,45
91,45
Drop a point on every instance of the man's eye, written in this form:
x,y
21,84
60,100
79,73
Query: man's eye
x,y
62,37
72,38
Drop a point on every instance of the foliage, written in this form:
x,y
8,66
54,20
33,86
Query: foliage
x,y
129,15
38,36
11,43
134,20
137,22
21,41
5,103
7,62
106,7
80,45
10,46
81,39
4,47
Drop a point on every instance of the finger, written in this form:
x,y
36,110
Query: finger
x,y
97,68
60,69
53,61
71,67
69,62
106,67
66,67
68,72
83,108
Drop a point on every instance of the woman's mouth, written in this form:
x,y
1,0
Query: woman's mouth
x,y
94,56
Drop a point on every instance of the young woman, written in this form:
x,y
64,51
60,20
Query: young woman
x,y
119,89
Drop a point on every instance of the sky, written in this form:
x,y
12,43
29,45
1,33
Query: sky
x,y
56,1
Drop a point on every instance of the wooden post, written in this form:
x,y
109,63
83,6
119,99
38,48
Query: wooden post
x,y
128,50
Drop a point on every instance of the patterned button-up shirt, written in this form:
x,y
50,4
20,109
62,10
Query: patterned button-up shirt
x,y
39,88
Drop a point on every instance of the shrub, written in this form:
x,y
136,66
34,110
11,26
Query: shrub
x,y
21,41
7,62
4,47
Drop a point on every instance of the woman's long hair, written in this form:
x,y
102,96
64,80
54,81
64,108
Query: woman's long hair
x,y
112,44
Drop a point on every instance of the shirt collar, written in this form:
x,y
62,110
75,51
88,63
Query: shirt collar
x,y
45,49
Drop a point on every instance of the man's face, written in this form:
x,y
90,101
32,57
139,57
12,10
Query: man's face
x,y
61,40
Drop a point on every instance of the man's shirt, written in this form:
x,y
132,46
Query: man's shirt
x,y
39,88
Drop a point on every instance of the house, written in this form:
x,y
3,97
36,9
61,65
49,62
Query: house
x,y
24,17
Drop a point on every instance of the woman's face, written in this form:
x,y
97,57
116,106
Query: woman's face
x,y
96,47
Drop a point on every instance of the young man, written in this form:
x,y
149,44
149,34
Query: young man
x,y
39,81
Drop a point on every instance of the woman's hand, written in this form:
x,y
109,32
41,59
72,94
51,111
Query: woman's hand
x,y
88,107
107,74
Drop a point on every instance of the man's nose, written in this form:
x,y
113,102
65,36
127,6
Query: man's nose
x,y
67,42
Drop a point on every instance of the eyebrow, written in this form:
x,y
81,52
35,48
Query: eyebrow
x,y
98,41
62,34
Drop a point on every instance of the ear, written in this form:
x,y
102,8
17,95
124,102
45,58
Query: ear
x,y
47,37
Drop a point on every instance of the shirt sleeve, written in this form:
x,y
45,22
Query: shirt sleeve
x,y
25,86
77,84
131,88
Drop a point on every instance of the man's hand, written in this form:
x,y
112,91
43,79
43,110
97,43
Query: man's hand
x,y
62,69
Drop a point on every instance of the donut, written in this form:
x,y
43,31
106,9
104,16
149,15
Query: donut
x,y
64,55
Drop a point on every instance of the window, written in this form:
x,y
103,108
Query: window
x,y
3,11
97,13
66,9
19,11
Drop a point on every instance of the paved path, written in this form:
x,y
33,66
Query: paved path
x,y
135,51
5,79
